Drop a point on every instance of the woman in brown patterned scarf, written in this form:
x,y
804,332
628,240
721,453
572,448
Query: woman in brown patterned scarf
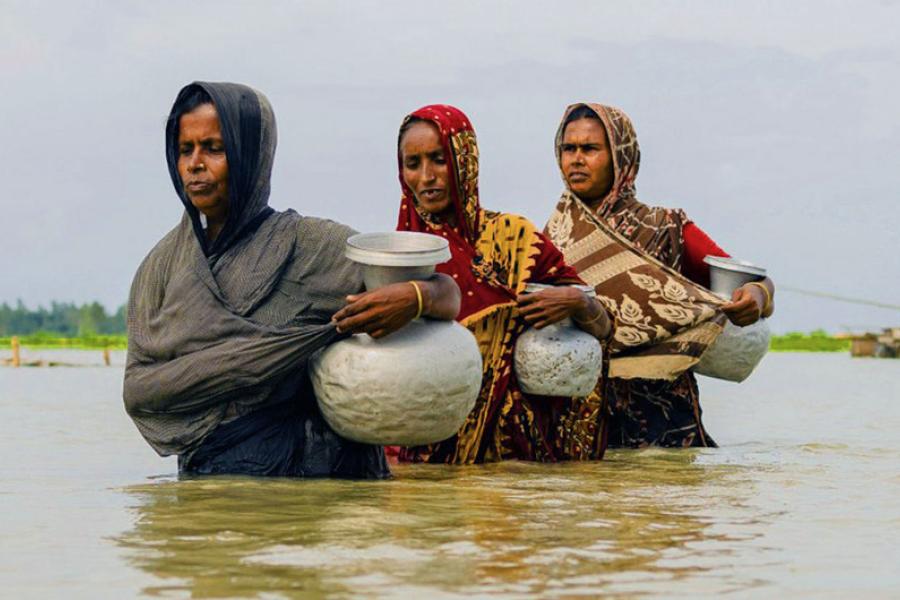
x,y
646,264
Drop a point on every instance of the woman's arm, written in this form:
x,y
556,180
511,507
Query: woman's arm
x,y
387,309
552,305
218,373
749,303
697,246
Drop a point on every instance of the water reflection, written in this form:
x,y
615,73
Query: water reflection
x,y
626,525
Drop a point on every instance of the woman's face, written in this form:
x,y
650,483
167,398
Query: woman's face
x,y
587,159
425,168
202,163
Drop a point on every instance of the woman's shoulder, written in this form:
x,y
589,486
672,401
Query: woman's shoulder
x,y
666,214
154,271
319,231
163,251
321,245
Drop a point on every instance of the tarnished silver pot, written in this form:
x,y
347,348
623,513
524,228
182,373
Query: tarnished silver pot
x,y
558,360
396,256
414,386
738,350
728,274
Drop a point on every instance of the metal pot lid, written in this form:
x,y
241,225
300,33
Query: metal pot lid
x,y
732,264
398,249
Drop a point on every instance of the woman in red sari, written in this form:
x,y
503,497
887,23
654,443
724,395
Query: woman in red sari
x,y
494,255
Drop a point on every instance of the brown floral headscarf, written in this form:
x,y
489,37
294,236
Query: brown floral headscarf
x,y
655,230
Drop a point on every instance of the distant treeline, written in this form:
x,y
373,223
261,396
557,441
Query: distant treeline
x,y
88,325
62,319
815,341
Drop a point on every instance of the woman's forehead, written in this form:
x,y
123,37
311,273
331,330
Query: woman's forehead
x,y
203,120
585,131
421,134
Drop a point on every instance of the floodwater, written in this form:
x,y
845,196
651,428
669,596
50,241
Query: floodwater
x,y
802,499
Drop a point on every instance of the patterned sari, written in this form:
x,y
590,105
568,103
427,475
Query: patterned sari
x,y
632,254
494,255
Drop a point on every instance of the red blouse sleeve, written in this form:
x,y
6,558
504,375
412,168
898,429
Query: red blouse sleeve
x,y
550,266
697,246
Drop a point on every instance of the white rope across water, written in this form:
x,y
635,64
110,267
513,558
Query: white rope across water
x,y
861,301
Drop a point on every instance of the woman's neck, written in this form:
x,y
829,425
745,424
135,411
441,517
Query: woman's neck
x,y
447,218
451,221
214,228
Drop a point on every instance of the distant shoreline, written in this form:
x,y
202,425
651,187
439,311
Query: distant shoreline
x,y
816,341
44,341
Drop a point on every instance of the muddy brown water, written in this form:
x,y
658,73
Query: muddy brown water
x,y
803,498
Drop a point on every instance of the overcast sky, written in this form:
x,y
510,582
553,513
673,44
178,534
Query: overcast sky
x,y
776,126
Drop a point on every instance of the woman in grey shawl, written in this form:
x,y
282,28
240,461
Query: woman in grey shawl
x,y
226,309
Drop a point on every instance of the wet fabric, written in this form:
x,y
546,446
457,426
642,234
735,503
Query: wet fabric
x,y
632,254
652,412
286,440
217,332
494,255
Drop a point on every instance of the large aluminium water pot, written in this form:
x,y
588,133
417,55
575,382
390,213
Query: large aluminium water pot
x,y
414,386
738,350
557,360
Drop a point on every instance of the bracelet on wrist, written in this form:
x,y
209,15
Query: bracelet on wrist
x,y
767,293
599,314
419,299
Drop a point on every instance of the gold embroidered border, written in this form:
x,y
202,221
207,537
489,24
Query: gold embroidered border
x,y
667,367
609,268
586,246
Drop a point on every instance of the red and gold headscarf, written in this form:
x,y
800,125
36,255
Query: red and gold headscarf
x,y
480,286
461,149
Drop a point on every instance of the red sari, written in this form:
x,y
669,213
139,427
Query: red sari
x,y
494,255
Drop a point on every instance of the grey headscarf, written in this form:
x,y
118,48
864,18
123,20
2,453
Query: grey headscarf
x,y
216,331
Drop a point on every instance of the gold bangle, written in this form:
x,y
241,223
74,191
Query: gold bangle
x,y
419,298
600,313
768,294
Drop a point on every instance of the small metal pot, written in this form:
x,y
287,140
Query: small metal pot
x,y
728,274
738,350
396,256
